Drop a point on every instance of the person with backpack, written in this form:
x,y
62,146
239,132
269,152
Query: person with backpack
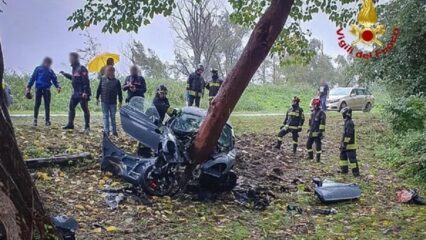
x,y
43,77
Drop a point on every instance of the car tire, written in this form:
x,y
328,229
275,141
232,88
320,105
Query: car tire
x,y
367,107
342,105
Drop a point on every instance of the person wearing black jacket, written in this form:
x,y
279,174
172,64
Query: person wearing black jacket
x,y
348,145
214,85
293,123
195,86
134,84
109,90
81,91
162,104
316,130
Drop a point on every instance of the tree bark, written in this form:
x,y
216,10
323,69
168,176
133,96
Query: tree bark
x,y
260,43
20,206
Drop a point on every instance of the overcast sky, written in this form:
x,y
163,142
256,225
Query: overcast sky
x,y
33,29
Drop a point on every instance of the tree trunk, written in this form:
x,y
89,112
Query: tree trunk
x,y
20,206
260,43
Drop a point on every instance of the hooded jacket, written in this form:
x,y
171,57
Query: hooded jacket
x,y
43,78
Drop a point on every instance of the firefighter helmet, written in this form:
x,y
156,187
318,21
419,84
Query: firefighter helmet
x,y
162,88
316,102
346,112
214,70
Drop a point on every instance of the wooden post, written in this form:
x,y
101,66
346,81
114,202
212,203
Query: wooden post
x,y
260,43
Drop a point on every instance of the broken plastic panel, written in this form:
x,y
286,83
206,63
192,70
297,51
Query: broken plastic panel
x,y
329,191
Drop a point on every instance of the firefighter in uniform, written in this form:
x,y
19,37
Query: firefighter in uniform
x,y
316,130
195,87
214,85
348,145
293,123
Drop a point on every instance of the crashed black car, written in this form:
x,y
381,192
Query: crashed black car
x,y
160,172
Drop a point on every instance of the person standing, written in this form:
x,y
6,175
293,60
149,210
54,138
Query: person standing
x,y
348,145
293,123
161,103
214,85
109,90
81,91
43,77
323,92
134,84
109,62
316,130
195,86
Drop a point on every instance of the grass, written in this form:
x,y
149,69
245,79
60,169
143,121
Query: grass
x,y
375,216
256,98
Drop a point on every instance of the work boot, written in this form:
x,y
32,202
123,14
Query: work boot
x,y
294,148
47,123
318,157
68,126
343,170
310,156
355,172
86,130
35,122
278,145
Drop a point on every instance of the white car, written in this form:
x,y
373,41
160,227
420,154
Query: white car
x,y
359,99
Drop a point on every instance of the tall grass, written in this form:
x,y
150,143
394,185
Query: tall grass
x,y
256,98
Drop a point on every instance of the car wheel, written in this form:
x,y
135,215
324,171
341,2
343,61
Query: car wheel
x,y
367,107
342,105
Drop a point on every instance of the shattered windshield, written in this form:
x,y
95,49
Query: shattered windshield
x,y
145,107
187,123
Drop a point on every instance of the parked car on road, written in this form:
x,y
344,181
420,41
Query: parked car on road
x,y
359,99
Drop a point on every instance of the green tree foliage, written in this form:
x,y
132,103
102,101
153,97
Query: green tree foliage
x,y
116,15
147,60
407,113
403,70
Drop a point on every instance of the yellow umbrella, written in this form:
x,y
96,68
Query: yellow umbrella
x,y
98,62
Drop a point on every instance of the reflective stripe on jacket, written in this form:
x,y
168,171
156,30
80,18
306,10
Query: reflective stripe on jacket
x,y
294,118
317,122
349,136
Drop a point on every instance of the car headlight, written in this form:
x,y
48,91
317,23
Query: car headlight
x,y
333,100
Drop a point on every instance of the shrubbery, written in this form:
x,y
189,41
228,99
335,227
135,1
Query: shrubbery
x,y
406,152
407,113
405,147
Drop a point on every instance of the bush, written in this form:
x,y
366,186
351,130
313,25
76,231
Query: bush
x,y
406,152
407,113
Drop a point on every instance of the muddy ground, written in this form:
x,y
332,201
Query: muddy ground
x,y
285,178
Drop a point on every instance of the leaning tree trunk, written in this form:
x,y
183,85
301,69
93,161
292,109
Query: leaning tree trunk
x,y
20,205
260,43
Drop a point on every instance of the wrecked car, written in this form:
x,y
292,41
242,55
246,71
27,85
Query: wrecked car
x,y
159,173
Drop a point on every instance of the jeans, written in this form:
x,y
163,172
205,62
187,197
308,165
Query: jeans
x,y
323,100
109,111
192,99
84,103
45,93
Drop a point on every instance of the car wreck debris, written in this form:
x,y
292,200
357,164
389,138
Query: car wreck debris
x,y
58,160
65,226
409,196
330,192
161,173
